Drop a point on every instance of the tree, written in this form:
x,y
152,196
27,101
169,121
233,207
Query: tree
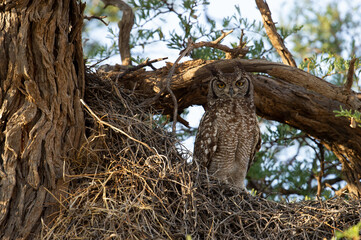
x,y
42,80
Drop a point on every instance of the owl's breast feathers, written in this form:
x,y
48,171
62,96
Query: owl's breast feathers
x,y
206,140
225,127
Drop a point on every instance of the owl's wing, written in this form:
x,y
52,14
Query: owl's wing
x,y
256,148
205,144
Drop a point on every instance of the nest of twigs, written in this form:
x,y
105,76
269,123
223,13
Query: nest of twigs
x,y
131,180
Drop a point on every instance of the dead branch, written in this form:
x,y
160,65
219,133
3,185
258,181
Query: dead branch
x,y
286,94
239,51
125,26
350,73
274,37
341,191
143,64
183,121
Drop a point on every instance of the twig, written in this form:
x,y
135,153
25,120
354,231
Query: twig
x,y
186,51
114,128
58,200
143,64
322,166
190,46
350,73
231,53
100,18
241,43
183,53
101,60
224,34
125,26
341,191
274,37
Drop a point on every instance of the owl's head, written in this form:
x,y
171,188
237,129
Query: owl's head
x,y
234,85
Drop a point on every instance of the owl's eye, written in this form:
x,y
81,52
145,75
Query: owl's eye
x,y
221,85
239,83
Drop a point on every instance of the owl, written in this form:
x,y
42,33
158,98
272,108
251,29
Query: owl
x,y
228,135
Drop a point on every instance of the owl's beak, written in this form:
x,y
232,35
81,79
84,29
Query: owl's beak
x,y
231,92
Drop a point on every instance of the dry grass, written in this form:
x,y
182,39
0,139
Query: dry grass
x,y
140,187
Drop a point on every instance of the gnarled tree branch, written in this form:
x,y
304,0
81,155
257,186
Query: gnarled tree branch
x,y
125,26
274,37
285,94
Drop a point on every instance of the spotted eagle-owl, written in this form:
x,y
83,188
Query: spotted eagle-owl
x,y
228,135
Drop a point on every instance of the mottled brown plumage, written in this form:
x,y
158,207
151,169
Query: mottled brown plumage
x,y
228,135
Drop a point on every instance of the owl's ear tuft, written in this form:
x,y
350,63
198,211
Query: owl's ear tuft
x,y
215,71
239,69
239,66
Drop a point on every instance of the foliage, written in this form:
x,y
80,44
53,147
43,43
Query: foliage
x,y
330,67
289,160
350,233
355,116
330,36
325,27
94,50
318,37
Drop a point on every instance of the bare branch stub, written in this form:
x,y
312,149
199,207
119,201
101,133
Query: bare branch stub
x,y
274,37
125,26
350,73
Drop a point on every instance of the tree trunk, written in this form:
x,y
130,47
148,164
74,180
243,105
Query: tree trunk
x,y
286,94
42,123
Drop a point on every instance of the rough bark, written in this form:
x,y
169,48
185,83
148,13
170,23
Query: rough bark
x,y
283,93
41,120
273,35
125,26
